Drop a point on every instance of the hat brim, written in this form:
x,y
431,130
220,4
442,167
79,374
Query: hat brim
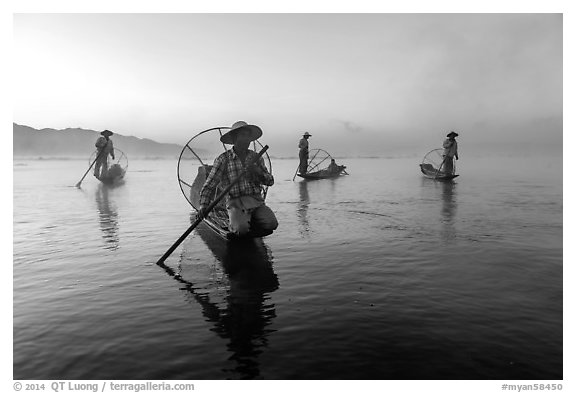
x,y
452,133
228,138
106,133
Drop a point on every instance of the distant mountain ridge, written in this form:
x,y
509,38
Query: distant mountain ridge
x,y
79,142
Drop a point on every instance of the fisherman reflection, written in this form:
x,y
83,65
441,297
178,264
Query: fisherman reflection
x,y
243,315
303,208
448,209
108,218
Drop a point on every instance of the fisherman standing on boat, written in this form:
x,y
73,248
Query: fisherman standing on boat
x,y
248,213
104,147
303,146
450,152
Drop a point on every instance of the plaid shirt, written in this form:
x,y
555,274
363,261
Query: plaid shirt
x,y
227,167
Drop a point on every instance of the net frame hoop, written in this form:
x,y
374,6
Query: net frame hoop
x,y
116,161
311,160
256,145
439,156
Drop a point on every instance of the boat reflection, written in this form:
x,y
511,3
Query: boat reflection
x,y
448,209
108,218
445,192
235,300
302,211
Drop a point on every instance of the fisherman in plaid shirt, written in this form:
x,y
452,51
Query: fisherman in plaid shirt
x,y
249,215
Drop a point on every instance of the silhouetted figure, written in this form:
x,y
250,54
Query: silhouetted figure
x,y
104,148
450,152
303,153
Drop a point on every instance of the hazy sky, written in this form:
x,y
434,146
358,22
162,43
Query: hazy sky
x,y
360,83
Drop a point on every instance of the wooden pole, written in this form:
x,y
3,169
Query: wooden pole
x,y
91,165
211,206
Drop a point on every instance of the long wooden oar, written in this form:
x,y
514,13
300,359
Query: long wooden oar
x,y
440,167
91,165
297,169
211,206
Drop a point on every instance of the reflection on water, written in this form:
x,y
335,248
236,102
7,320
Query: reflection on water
x,y
303,208
448,209
108,217
239,307
442,195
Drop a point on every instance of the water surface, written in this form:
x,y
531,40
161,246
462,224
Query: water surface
x,y
382,274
